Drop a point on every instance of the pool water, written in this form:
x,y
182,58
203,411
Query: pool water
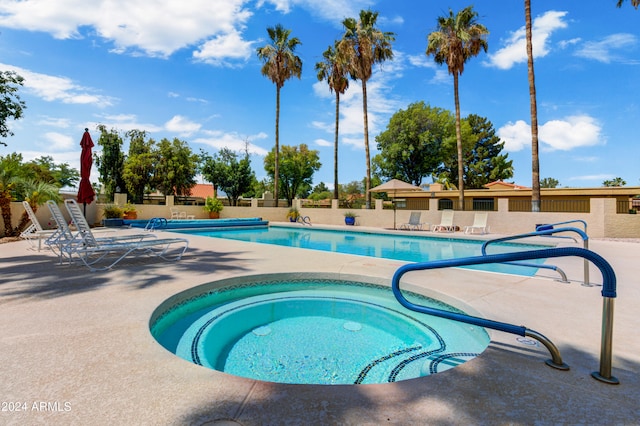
x,y
318,331
411,248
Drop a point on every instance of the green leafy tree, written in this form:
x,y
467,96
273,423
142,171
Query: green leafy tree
x,y
280,64
17,185
258,188
549,182
44,169
297,167
11,106
36,193
458,38
410,147
176,169
364,45
229,172
614,182
320,192
333,68
482,156
317,196
352,193
485,163
139,165
11,175
110,161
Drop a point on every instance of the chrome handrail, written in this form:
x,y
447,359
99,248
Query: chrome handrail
x,y
608,293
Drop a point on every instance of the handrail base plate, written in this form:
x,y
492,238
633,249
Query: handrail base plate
x,y
612,380
562,367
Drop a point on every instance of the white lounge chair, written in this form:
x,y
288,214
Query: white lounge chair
x,y
446,222
177,214
91,250
35,230
64,237
479,224
414,222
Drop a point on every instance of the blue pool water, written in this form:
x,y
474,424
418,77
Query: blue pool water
x,y
411,248
314,331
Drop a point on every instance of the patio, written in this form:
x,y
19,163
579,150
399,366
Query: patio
x,y
76,347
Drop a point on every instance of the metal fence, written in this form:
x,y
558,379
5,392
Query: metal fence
x,y
552,206
470,204
631,206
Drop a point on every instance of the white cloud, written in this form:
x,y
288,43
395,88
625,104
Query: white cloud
x,y
182,125
323,125
381,103
156,28
564,135
330,10
572,132
61,123
60,89
566,43
223,48
233,141
515,50
59,142
600,177
124,123
442,76
516,136
422,61
602,51
323,142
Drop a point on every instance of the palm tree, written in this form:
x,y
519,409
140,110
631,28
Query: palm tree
x,y
364,45
634,3
280,64
36,193
334,70
10,176
535,159
458,38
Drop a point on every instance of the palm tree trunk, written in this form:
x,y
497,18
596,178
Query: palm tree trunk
x,y
335,148
367,184
5,208
459,143
535,160
276,173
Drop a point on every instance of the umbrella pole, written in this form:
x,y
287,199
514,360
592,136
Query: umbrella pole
x,y
393,201
394,214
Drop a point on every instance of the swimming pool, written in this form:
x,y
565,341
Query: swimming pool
x,y
411,248
309,330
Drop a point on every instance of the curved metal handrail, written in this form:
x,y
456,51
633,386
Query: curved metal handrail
x,y
551,225
608,293
155,223
548,232
304,220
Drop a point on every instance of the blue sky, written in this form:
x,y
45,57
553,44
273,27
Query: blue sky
x,y
189,70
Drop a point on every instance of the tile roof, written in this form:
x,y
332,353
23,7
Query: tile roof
x,y
202,190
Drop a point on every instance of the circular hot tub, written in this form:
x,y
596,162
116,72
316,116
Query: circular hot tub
x,y
311,330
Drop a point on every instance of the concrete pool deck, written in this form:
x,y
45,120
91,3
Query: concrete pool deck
x,y
75,346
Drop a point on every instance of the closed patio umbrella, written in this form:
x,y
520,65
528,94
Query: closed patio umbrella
x,y
392,187
85,191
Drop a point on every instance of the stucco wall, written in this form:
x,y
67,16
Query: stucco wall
x,y
602,220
